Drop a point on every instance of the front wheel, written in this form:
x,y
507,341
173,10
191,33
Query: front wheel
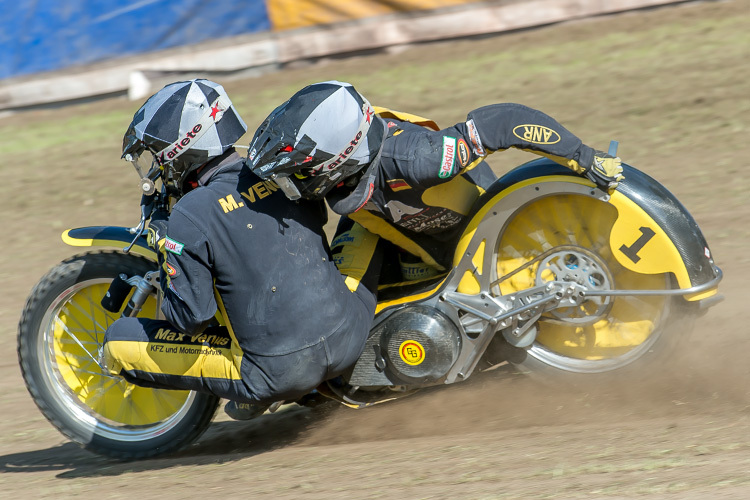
x,y
59,338
566,237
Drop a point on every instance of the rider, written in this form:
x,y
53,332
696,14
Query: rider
x,y
233,243
397,176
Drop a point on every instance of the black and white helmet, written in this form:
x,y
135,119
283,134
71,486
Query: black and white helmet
x,y
184,125
322,135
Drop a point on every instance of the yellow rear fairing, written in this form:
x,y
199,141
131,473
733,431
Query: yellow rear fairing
x,y
580,221
641,245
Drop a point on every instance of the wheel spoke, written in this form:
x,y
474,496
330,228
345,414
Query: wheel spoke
x,y
96,396
85,343
75,339
99,374
94,323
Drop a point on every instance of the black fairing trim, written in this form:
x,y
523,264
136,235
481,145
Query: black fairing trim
x,y
660,204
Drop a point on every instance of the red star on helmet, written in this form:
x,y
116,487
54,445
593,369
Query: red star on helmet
x,y
368,114
215,110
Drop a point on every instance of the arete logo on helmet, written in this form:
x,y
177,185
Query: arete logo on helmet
x,y
344,155
210,117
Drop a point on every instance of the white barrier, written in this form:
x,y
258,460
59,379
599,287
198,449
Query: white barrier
x,y
135,75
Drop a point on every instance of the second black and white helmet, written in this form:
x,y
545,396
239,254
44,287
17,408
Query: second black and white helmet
x,y
323,135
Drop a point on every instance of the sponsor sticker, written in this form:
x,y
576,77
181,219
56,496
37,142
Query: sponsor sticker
x,y
399,210
411,352
174,290
398,184
449,157
462,150
212,115
536,134
217,111
173,246
476,142
171,271
342,239
268,166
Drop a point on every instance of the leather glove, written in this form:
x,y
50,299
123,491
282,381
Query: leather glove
x,y
605,171
157,234
157,229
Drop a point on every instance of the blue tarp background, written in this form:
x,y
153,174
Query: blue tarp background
x,y
43,35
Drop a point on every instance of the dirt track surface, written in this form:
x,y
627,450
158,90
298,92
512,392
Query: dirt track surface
x,y
671,84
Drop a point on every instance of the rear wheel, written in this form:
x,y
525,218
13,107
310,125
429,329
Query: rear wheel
x,y
566,237
60,334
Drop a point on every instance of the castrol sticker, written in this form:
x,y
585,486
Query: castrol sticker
x,y
411,352
173,246
449,157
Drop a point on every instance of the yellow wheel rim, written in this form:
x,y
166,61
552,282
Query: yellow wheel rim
x,y
75,330
629,323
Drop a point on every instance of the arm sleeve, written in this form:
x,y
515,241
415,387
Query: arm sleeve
x,y
189,302
427,158
502,126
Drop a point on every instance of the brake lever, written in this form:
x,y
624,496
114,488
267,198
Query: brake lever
x,y
138,231
613,148
147,206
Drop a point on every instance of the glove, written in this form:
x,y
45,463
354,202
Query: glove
x,y
605,171
157,234
157,229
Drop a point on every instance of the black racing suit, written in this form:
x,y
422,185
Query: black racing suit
x,y
238,245
419,192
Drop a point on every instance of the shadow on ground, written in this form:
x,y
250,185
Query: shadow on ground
x,y
223,442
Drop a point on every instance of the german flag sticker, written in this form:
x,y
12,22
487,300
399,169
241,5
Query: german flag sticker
x,y
398,184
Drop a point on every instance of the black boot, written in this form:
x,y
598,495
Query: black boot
x,y
244,411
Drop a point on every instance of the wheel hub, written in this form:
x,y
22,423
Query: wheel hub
x,y
586,269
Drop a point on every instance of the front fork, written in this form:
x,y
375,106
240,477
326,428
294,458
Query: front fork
x,y
118,291
143,287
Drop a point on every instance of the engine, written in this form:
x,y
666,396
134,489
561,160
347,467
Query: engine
x,y
415,345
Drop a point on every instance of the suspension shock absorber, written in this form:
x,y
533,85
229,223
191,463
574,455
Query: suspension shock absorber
x,y
120,288
144,286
